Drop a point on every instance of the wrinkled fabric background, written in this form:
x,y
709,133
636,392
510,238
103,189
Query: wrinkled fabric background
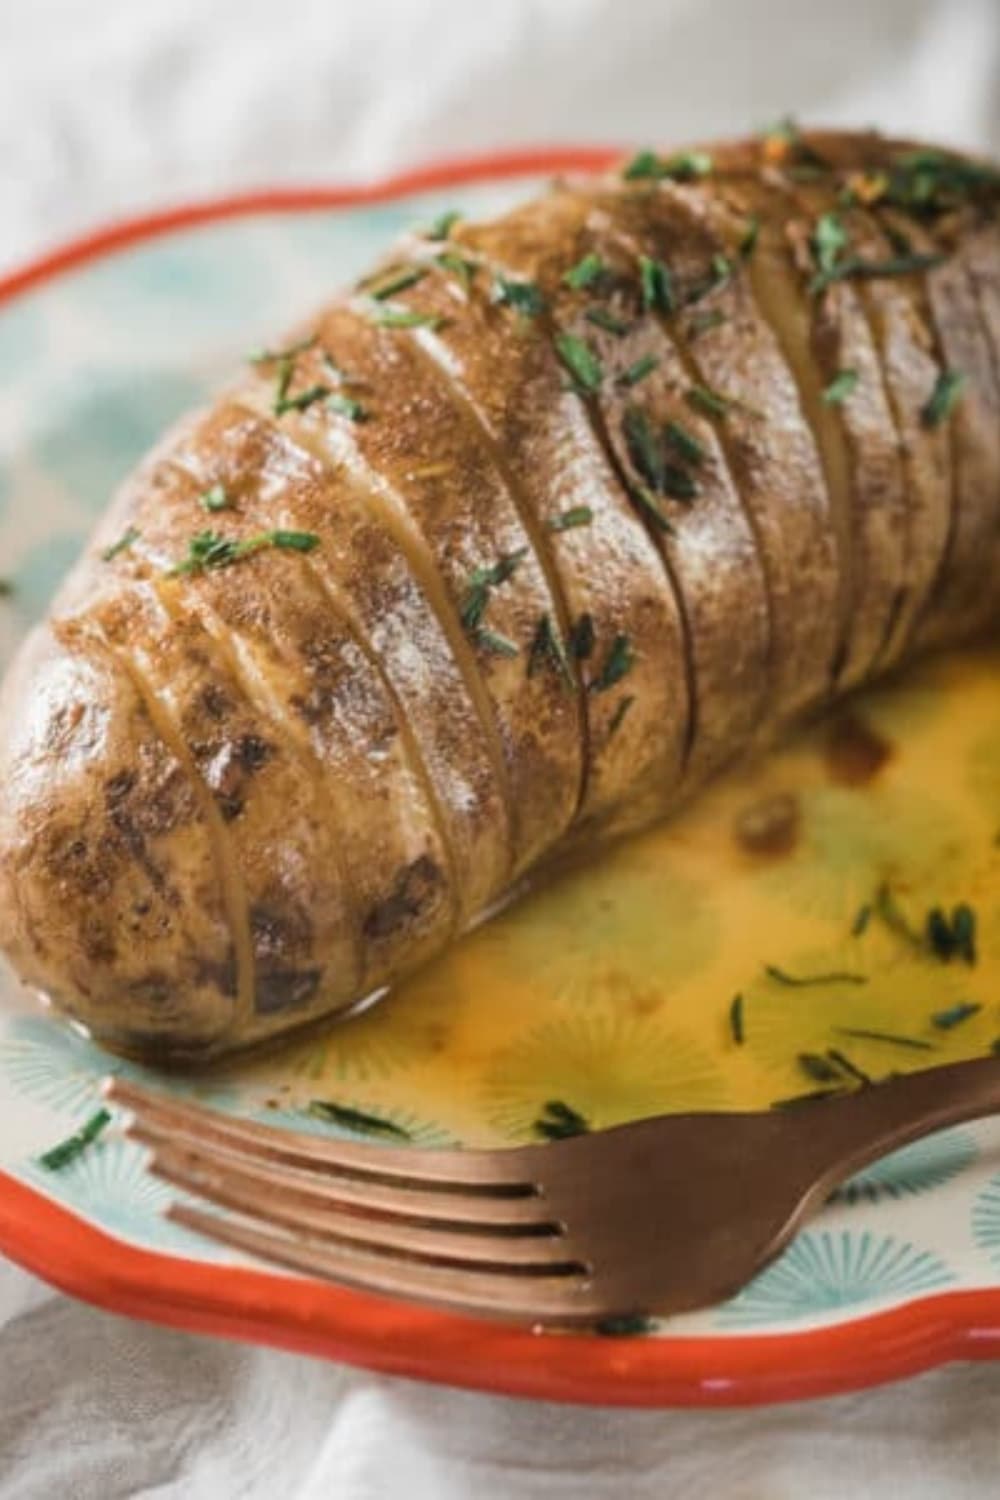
x,y
117,105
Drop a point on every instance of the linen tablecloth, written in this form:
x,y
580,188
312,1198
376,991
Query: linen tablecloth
x,y
121,104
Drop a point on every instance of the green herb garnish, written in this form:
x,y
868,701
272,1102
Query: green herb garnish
x,y
820,1069
547,649
736,1020
586,271
215,499
704,399
577,515
209,550
835,976
581,361
602,318
582,638
291,352
954,936
346,406
122,545
863,1034
301,402
751,235
841,386
943,399
494,643
686,444
657,283
441,227
464,269
397,280
650,507
847,1066
67,1151
812,1097
944,1020
617,664
856,268
683,166
523,296
862,917
354,1119
393,317
618,717
628,1325
559,1121
639,370
646,451
482,581
829,238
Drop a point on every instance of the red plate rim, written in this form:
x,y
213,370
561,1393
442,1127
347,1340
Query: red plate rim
x,y
399,1339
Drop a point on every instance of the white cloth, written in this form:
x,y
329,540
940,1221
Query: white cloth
x,y
118,104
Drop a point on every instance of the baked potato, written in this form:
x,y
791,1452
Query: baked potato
x,y
501,554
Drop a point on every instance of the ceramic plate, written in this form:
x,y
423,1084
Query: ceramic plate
x,y
611,992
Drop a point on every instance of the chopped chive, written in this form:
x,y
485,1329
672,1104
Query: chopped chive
x,y
847,1066
494,643
736,1020
291,352
547,649
581,361
627,1325
648,504
686,444
704,399
617,664
441,227
582,638
396,281
346,406
643,448
657,283
559,1121
459,265
122,545
751,235
863,1034
577,515
392,317
722,269
354,1119
855,268
586,272
523,296
943,399
215,499
683,166
602,318
209,550
482,580
67,1151
820,1069
618,717
829,238
953,937
944,1020
836,976
843,384
862,917
639,370
302,402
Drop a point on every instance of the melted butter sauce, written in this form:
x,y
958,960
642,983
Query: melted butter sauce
x,y
608,987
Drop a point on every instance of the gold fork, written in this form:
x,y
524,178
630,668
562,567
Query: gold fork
x,y
659,1216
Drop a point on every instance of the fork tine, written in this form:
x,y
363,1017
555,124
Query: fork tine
x,y
312,1214
552,1299
480,1171
371,1196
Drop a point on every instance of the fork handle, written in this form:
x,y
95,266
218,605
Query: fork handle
x,y
874,1121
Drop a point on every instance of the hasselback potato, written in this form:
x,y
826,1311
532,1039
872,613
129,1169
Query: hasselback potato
x,y
503,553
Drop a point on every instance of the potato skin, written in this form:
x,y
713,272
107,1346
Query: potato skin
x,y
505,552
